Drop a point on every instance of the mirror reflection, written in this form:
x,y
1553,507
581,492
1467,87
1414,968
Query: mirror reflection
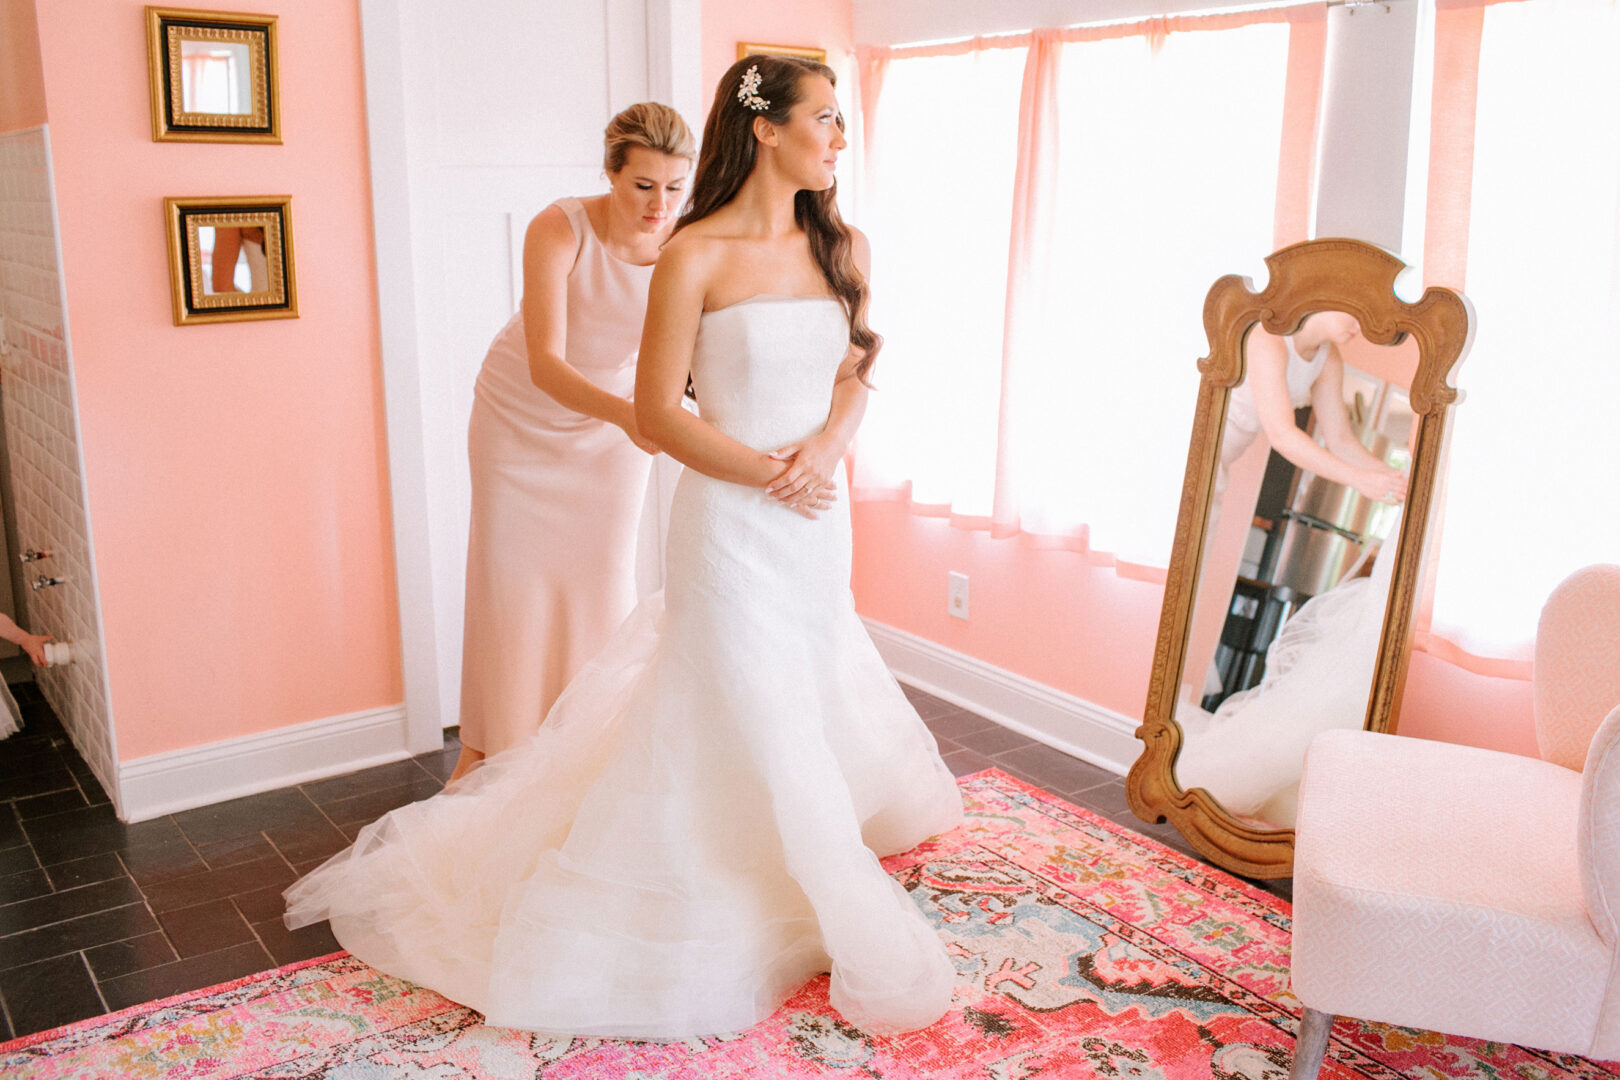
x,y
233,259
215,77
1292,588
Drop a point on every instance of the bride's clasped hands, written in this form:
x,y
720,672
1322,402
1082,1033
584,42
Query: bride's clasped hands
x,y
808,483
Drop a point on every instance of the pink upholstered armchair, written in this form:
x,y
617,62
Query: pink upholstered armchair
x,y
1469,891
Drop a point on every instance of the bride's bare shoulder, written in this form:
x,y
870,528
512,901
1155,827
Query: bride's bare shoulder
x,y
697,252
691,241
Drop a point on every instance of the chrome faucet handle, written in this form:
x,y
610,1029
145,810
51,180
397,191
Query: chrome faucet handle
x,y
33,555
44,582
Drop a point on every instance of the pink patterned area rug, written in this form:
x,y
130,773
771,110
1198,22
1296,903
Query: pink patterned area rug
x,y
1082,950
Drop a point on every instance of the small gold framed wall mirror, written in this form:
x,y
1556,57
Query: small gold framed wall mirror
x,y
213,76
1320,426
231,258
747,48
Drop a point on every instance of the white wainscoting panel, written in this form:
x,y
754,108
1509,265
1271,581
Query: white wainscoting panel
x,y
1077,727
200,775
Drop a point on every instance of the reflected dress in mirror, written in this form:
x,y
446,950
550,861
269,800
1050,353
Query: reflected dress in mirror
x,y
1249,753
694,831
1298,629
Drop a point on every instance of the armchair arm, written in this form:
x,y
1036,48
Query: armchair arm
x,y
1598,836
1598,849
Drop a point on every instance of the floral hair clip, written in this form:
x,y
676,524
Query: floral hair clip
x,y
748,91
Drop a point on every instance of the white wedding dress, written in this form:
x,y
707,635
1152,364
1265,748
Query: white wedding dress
x,y
690,835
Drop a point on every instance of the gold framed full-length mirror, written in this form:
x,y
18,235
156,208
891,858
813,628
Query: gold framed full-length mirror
x,y
1305,514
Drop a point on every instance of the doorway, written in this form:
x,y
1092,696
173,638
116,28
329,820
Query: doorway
x,y
479,116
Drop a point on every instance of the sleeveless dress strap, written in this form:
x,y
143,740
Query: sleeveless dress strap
x,y
1300,371
579,220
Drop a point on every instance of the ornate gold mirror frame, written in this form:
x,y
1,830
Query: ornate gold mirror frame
x,y
1318,275
169,31
749,48
265,220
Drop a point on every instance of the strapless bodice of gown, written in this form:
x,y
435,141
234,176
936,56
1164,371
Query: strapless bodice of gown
x,y
763,368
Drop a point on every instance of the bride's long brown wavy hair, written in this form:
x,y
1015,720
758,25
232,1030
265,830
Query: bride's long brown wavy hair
x,y
727,159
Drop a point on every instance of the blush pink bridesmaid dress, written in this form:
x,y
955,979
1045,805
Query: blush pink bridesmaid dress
x,y
556,503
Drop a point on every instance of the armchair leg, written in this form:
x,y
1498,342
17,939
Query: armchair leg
x,y
1310,1044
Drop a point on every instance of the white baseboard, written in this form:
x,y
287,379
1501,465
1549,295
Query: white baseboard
x,y
1077,727
150,787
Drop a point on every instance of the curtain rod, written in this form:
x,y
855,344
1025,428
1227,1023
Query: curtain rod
x,y
1132,20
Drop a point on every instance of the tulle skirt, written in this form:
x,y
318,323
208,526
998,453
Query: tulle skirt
x,y
694,831
1250,752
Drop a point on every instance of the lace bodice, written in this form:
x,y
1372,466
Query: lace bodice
x,y
763,368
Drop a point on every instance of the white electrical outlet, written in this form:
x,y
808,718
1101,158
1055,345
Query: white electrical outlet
x,y
957,596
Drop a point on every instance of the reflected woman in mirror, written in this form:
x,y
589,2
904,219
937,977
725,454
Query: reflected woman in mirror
x,y
694,832
1287,373
559,469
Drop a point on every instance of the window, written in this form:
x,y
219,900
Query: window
x,y
1047,214
1531,480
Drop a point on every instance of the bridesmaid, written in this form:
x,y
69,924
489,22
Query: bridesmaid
x,y
559,471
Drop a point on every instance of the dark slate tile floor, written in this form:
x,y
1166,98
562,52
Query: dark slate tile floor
x,y
97,915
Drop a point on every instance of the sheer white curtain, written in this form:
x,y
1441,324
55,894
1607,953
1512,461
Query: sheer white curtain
x,y
209,82
1164,186
1534,474
1148,167
938,220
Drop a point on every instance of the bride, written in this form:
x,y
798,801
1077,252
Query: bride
x,y
693,833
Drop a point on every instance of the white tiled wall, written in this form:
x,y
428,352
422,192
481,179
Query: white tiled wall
x,y
41,425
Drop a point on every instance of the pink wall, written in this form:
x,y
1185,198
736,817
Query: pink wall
x,y
808,23
1452,704
1392,363
22,84
235,472
1041,612
1051,616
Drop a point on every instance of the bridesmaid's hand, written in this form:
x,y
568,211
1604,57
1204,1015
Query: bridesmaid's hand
x,y
626,422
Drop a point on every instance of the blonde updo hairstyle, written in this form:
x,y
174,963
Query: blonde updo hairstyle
x,y
657,127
